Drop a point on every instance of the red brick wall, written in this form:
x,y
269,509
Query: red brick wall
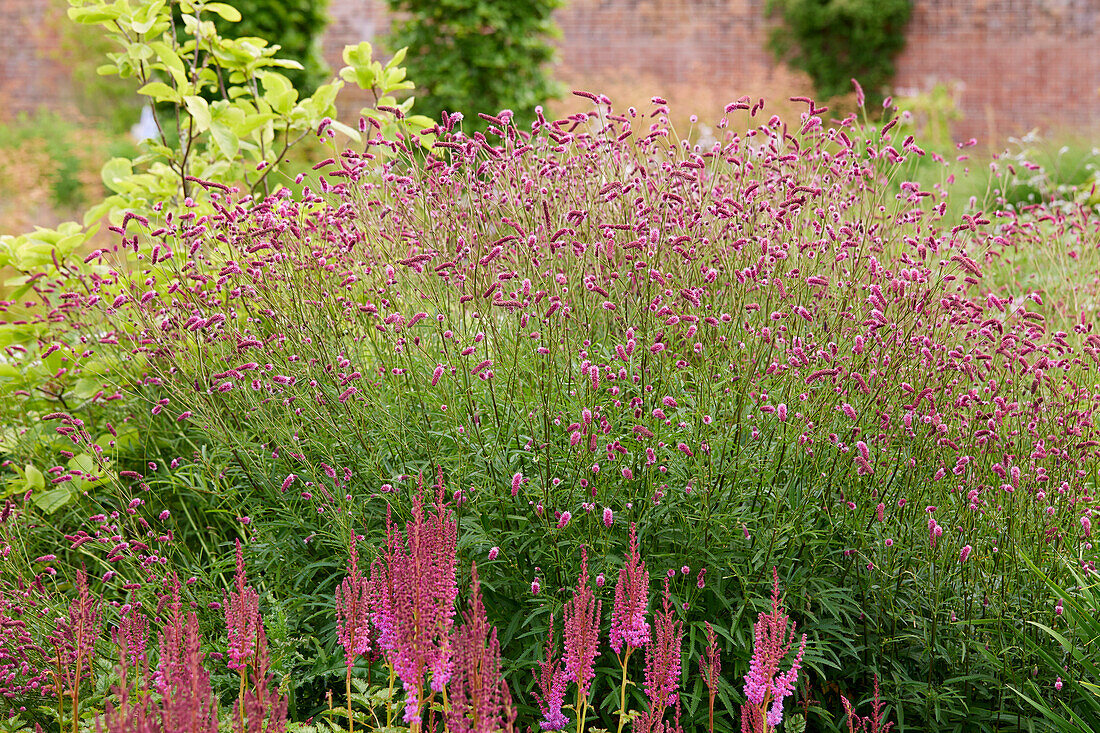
x,y
1017,64
31,74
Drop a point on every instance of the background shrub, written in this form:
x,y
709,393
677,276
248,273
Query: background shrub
x,y
475,56
835,41
295,25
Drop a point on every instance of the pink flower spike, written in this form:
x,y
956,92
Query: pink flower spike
x,y
628,624
774,637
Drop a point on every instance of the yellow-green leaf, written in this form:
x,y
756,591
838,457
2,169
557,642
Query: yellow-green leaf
x,y
228,12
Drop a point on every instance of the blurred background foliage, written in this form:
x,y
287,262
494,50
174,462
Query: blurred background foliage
x,y
475,56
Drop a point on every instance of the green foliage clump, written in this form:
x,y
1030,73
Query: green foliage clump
x,y
835,41
295,26
475,56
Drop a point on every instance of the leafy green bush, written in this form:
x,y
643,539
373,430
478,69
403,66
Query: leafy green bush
x,y
478,56
201,151
835,41
296,26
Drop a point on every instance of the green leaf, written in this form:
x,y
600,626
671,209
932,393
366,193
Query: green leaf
x,y
115,171
227,141
146,16
161,92
228,12
53,499
90,16
35,480
199,109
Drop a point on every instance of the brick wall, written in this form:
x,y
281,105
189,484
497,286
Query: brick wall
x,y
1016,64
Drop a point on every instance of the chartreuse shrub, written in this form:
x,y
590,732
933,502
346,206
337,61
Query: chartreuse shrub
x,y
296,26
242,139
835,41
478,56
763,353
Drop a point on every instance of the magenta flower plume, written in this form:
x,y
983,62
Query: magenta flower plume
x,y
76,634
628,624
242,617
187,700
415,591
872,723
581,624
710,668
765,686
478,693
662,658
261,708
551,681
353,625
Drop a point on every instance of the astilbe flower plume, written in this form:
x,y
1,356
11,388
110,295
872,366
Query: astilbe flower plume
x,y
414,601
662,658
872,723
628,625
479,696
353,624
73,644
552,682
133,713
765,686
242,618
581,624
187,701
261,708
710,669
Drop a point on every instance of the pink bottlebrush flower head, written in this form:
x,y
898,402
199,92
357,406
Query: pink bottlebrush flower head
x,y
774,636
608,517
552,681
628,624
965,553
581,624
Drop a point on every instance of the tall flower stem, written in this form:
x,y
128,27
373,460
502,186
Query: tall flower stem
x,y
389,703
347,687
622,689
581,709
